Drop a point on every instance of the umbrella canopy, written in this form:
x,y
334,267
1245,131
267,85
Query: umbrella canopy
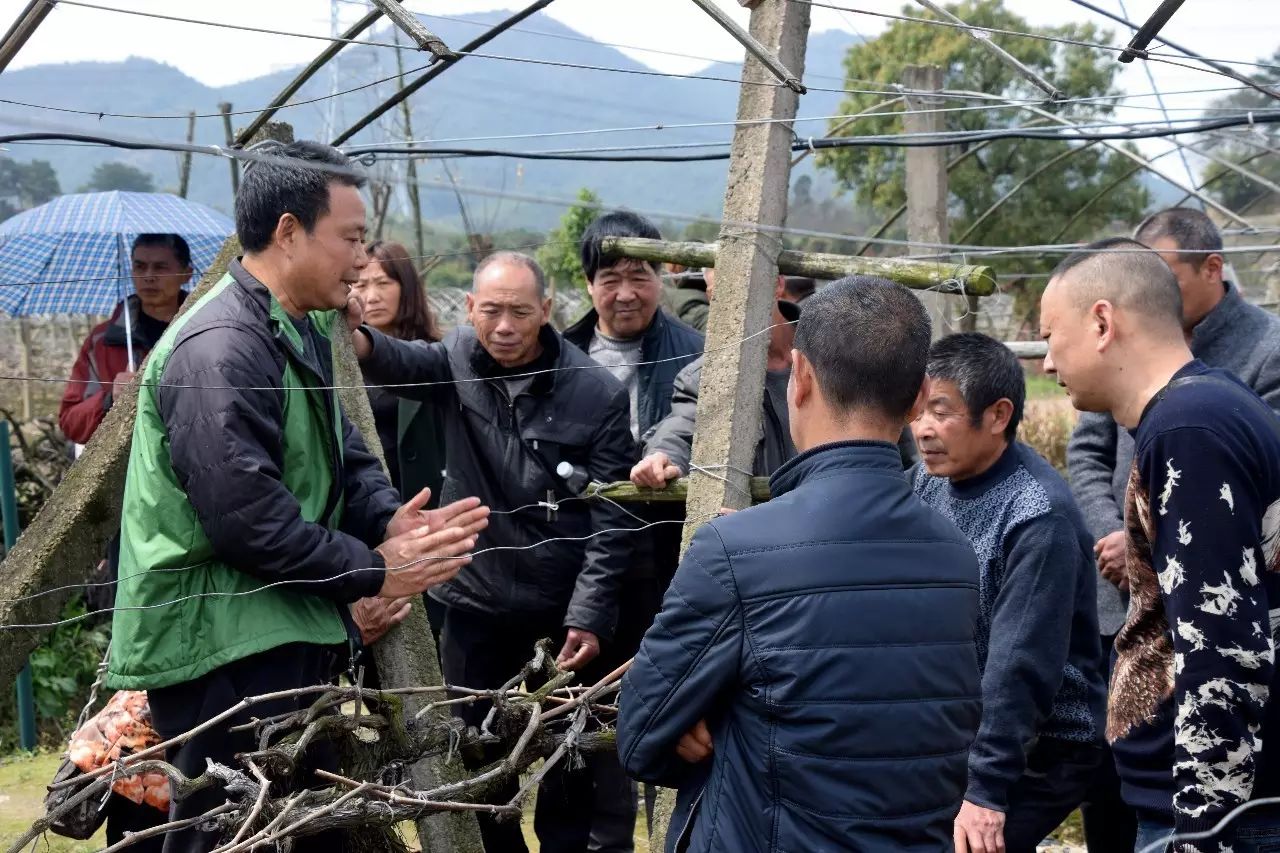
x,y
72,255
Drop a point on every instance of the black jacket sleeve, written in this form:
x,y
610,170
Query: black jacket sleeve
x,y
417,370
225,445
371,500
594,604
1030,641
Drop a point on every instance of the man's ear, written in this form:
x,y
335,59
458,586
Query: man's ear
x,y
287,231
546,310
1102,323
1212,266
470,302
802,379
998,415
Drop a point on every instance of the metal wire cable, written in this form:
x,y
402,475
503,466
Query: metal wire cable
x,y
302,581
429,384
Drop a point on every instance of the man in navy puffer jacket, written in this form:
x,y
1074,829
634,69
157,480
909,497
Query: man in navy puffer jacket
x,y
812,681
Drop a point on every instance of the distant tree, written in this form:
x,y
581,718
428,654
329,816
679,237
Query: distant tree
x,y
560,256
25,185
1051,198
702,231
1055,203
118,176
1251,148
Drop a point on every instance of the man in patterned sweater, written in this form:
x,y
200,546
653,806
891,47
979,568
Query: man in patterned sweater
x,y
1040,741
1191,718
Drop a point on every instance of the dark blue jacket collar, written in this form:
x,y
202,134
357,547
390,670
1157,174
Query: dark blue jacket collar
x,y
980,484
831,458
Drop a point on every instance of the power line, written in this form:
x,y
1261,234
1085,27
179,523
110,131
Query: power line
x,y
251,155
1134,131
101,114
1154,57
665,126
370,152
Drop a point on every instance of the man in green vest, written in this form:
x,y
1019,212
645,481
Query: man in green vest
x,y
253,513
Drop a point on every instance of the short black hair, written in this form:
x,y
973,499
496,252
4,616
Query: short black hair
x,y
619,223
798,288
1192,232
173,242
868,341
984,370
1127,274
292,178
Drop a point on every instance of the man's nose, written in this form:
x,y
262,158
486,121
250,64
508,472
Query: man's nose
x,y
1049,367
362,257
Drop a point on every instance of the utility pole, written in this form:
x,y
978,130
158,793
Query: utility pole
x,y
225,109
729,407
927,183
184,173
411,167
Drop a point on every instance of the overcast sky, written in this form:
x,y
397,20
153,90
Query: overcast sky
x,y
1228,29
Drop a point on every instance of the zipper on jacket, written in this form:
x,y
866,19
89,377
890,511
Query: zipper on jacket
x,y
682,840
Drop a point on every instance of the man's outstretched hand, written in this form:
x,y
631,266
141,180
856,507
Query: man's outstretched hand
x,y
466,513
695,745
421,559
580,648
654,471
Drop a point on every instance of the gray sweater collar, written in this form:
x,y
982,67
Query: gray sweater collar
x,y
1212,330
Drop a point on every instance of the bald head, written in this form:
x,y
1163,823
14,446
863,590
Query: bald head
x,y
1125,273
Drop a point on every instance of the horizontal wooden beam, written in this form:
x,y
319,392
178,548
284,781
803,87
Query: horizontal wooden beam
x,y
1028,349
918,275
675,492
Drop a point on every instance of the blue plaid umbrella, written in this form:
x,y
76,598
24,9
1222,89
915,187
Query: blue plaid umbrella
x,y
72,255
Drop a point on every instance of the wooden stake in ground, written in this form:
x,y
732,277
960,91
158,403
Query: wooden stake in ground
x,y
746,271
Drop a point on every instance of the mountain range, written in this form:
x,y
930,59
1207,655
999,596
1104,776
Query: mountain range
x,y
483,96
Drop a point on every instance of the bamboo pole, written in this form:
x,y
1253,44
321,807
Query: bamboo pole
x,y
919,275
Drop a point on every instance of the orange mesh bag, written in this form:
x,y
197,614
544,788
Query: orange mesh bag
x,y
121,728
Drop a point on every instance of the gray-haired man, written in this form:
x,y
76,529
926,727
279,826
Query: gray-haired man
x,y
529,418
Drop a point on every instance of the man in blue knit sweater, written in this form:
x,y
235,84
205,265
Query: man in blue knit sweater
x,y
1192,719
1042,693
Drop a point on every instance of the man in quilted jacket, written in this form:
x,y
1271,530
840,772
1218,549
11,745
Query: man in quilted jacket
x,y
812,680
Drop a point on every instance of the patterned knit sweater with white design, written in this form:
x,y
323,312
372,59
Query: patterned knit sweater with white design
x,y
1191,715
1037,638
